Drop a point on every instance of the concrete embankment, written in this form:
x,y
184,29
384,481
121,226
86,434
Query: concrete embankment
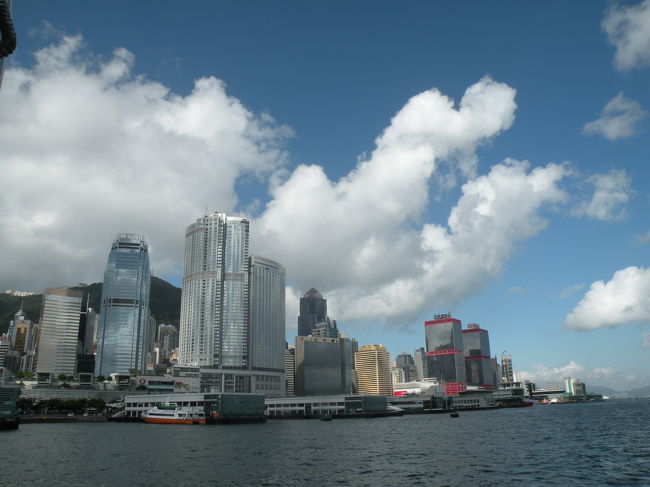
x,y
59,418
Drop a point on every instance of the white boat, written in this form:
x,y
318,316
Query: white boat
x,y
172,413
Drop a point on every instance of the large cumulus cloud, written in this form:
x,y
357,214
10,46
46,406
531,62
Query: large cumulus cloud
x,y
89,149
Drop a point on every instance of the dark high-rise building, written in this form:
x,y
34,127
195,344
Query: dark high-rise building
x,y
324,366
313,310
478,364
445,355
420,359
406,364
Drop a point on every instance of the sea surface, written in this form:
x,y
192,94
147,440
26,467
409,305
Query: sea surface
x,y
606,443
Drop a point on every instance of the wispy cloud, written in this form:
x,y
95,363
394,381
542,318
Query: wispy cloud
x,y
612,191
568,291
620,118
628,29
645,340
641,239
516,290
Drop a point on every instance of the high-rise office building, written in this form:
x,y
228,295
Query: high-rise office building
x,y
290,370
232,309
406,364
507,374
167,341
478,364
56,347
124,316
420,359
313,310
267,325
445,353
5,346
323,366
372,365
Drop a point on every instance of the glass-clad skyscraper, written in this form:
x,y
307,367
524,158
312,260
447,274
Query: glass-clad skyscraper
x,y
313,310
124,315
267,324
478,364
445,355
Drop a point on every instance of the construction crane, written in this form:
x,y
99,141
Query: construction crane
x,y
7,34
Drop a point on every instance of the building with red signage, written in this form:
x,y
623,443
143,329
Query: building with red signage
x,y
445,353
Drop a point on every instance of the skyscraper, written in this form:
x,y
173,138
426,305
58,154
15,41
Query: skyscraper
x,y
267,325
478,364
445,353
323,366
420,359
506,368
56,347
405,363
214,304
290,370
313,310
372,364
124,315
232,309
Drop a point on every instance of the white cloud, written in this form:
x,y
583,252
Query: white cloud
x,y
516,290
645,340
542,374
605,372
568,291
89,149
362,254
642,239
624,299
628,29
620,118
611,193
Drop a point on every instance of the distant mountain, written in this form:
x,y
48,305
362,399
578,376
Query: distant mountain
x,y
164,302
641,391
605,391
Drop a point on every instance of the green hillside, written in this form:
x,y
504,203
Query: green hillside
x,y
164,302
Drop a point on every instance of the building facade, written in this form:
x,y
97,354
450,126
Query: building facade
x,y
232,310
420,359
290,370
507,373
323,366
214,304
372,365
313,310
122,335
267,325
445,353
56,344
478,364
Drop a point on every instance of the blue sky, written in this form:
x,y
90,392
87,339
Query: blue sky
x,y
308,89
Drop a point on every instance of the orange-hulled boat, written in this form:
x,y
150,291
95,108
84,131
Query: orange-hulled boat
x,y
172,413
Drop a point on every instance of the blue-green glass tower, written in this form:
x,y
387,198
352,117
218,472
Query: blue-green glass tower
x,y
122,333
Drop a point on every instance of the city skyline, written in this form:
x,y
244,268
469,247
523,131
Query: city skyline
x,y
490,161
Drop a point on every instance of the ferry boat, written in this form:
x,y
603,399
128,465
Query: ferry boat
x,y
172,413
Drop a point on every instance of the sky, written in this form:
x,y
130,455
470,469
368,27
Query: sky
x,y
488,159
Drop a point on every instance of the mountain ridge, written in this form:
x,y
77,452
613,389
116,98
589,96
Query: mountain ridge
x,y
164,303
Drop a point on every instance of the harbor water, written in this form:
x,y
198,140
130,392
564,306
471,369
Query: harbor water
x,y
597,444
